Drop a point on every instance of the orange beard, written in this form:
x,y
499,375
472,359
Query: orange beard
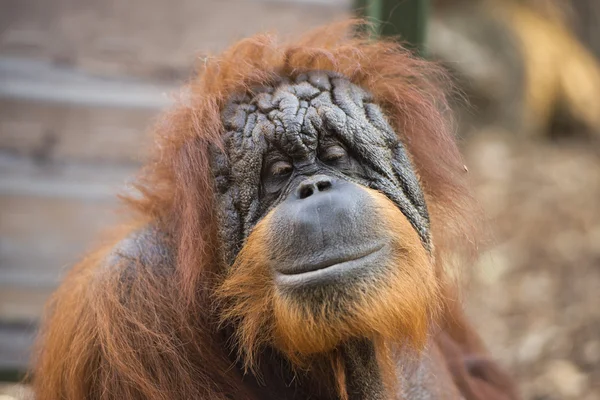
x,y
396,306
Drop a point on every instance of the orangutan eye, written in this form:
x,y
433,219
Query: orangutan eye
x,y
333,154
280,169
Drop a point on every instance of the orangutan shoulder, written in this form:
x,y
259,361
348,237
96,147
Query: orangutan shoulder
x,y
147,251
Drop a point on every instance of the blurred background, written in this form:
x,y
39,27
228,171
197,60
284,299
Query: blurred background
x,y
81,82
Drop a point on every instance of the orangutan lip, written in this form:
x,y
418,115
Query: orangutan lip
x,y
333,266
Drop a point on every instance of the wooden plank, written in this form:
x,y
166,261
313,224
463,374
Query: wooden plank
x,y
21,304
22,176
155,39
42,81
48,217
54,132
15,348
40,237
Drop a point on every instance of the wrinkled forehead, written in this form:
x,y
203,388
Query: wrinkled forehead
x,y
291,115
295,116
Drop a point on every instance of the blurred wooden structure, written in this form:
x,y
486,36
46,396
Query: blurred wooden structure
x,y
67,146
81,82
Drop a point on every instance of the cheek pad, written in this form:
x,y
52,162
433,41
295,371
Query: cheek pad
x,y
292,116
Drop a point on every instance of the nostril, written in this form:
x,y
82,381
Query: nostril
x,y
323,185
305,191
314,185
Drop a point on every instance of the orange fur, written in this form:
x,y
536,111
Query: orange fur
x,y
398,306
118,333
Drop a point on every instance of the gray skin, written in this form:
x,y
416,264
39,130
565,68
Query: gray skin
x,y
298,122
303,148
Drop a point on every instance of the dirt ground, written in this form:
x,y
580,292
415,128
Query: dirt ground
x,y
535,292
